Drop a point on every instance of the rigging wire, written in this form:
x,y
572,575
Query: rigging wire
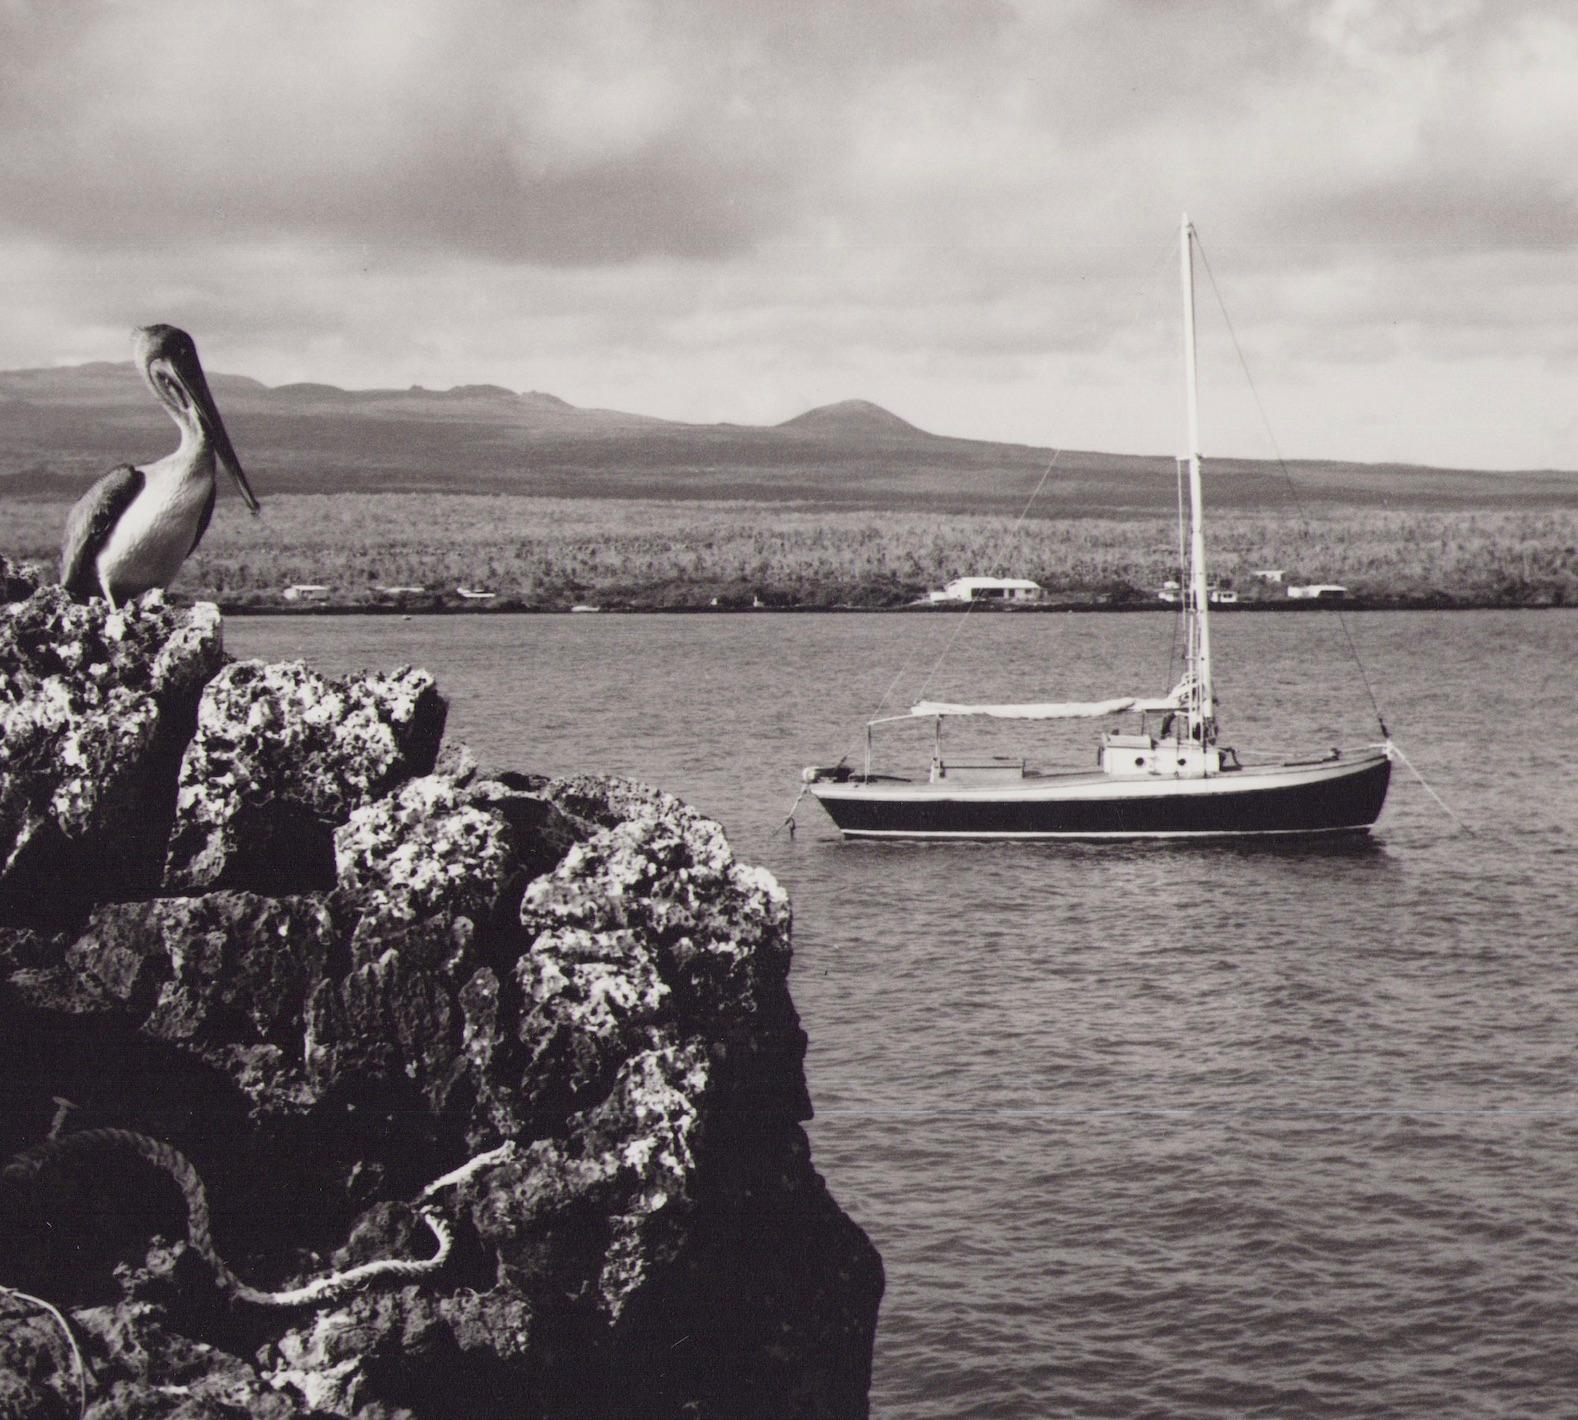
x,y
969,606
1183,605
1391,746
1342,620
1046,473
1287,475
1145,283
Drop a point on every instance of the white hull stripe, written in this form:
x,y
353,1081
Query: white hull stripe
x,y
1091,837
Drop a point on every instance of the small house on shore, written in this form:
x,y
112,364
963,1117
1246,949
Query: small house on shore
x,y
988,589
306,592
1318,592
1172,594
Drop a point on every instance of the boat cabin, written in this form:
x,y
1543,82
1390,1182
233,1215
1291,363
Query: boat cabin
x,y
1129,756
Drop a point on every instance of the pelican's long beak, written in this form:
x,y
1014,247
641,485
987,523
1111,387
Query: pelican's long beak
x,y
169,363
223,448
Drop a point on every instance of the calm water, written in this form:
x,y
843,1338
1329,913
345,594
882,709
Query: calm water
x,y
1162,1131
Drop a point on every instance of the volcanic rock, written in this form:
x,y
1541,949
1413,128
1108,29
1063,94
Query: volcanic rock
x,y
280,757
95,707
553,1013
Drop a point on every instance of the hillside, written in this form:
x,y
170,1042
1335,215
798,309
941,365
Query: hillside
x,y
60,428
858,420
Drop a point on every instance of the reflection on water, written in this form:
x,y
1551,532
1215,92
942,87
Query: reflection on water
x,y
1172,1129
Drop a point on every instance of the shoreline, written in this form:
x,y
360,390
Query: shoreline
x,y
1366,604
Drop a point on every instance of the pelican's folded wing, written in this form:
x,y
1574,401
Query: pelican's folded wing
x,y
88,526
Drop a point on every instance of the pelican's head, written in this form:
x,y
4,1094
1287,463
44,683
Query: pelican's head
x,y
168,360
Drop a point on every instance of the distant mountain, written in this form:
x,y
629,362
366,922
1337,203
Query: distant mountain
x,y
853,418
60,428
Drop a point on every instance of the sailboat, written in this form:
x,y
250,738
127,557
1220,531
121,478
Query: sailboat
x,y
1167,778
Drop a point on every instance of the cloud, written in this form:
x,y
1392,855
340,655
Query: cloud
x,y
583,133
730,208
606,131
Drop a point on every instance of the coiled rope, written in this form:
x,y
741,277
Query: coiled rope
x,y
198,1225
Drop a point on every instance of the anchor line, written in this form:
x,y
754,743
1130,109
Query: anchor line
x,y
1394,748
793,809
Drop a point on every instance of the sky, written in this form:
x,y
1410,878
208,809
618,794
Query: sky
x,y
963,210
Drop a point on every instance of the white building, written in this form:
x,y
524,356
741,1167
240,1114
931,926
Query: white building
x,y
988,589
1319,592
306,591
1172,594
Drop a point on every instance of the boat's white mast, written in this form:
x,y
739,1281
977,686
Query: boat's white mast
x,y
1202,707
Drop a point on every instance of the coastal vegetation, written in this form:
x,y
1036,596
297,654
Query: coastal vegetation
x,y
556,552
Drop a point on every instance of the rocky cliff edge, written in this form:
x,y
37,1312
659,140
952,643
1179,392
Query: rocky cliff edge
x,y
500,1073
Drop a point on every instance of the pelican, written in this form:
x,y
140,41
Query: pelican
x,y
135,527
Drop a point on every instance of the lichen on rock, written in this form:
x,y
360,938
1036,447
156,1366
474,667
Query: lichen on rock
x,y
377,963
423,849
281,756
94,709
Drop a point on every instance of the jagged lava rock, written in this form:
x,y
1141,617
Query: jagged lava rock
x,y
281,757
572,982
423,850
660,891
95,707
17,580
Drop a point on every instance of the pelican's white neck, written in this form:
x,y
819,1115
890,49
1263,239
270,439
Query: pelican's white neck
x,y
192,458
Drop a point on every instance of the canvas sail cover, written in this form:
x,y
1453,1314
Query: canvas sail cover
x,y
1176,699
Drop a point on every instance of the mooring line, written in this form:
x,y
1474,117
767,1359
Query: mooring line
x,y
1393,747
793,809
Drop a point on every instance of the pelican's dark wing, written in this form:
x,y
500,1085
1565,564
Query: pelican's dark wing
x,y
89,524
204,516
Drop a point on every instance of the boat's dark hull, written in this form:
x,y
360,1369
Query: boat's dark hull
x,y
1331,797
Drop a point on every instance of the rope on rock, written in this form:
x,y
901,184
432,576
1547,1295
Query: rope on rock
x,y
470,1169
198,1224
79,1363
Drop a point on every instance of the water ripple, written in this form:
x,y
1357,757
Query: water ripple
x,y
1172,1132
